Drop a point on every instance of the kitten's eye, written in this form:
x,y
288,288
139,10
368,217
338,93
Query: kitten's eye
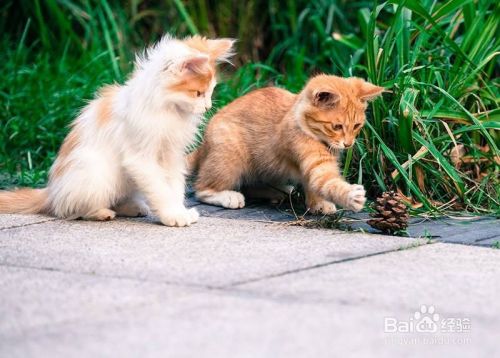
x,y
199,94
337,127
357,125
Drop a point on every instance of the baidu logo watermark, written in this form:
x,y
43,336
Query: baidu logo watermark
x,y
431,326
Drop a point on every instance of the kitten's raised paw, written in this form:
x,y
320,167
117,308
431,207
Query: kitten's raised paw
x,y
322,207
356,198
183,217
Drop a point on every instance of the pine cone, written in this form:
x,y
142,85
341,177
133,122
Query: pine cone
x,y
391,213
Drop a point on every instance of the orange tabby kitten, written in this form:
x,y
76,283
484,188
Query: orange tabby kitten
x,y
272,136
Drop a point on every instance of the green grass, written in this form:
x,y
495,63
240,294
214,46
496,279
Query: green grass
x,y
41,93
434,135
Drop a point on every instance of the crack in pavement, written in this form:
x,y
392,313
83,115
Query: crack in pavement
x,y
100,275
30,224
488,238
211,287
324,264
230,289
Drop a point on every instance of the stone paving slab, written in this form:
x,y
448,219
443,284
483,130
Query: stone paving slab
x,y
480,231
458,280
214,252
492,242
335,310
239,283
461,282
216,324
34,299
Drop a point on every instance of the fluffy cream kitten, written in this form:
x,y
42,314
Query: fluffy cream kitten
x,y
129,143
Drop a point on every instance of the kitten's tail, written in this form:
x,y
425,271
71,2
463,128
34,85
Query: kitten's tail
x,y
24,201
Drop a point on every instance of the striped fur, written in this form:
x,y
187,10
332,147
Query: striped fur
x,y
272,136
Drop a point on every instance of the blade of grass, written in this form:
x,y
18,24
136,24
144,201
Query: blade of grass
x,y
185,16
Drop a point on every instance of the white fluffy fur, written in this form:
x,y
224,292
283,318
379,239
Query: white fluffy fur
x,y
139,153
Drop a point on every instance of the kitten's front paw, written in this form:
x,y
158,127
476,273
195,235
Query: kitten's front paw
x,y
322,207
183,217
356,198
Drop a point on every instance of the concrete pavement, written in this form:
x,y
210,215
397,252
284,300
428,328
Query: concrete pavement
x,y
232,287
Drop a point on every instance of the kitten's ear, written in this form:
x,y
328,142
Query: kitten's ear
x,y
368,92
197,64
324,98
221,49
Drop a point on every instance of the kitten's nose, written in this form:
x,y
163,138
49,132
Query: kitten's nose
x,y
348,144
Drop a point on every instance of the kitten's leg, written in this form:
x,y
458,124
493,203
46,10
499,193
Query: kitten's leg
x,y
100,215
318,205
132,207
164,189
217,190
322,176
